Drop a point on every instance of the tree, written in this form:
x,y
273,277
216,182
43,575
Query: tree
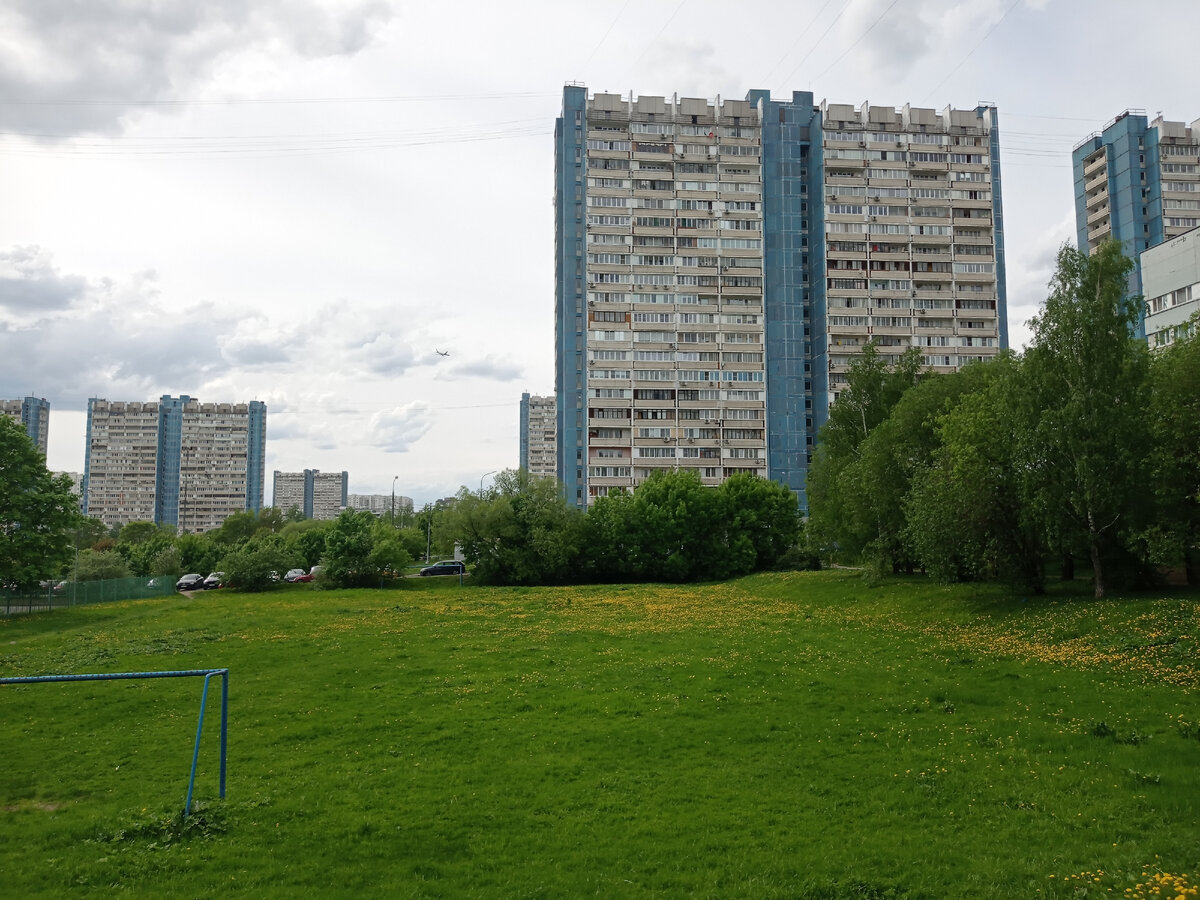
x,y
141,543
1090,378
520,532
258,564
197,553
100,565
306,538
967,511
873,390
1174,421
360,550
38,511
760,514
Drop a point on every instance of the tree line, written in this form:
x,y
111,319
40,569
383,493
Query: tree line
x,y
1083,449
670,528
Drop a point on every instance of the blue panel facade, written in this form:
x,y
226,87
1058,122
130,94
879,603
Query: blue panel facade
x,y
256,455
570,278
793,283
35,415
310,477
167,465
1134,191
990,113
523,461
87,457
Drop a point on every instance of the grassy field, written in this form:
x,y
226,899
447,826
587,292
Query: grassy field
x,y
798,736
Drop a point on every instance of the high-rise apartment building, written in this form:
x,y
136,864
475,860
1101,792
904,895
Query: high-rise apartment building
x,y
380,504
720,263
317,494
34,414
1171,280
538,423
176,461
1136,182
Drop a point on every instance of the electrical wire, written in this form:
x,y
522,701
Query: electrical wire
x,y
988,34
859,38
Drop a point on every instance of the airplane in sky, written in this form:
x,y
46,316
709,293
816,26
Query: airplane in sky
x,y
440,353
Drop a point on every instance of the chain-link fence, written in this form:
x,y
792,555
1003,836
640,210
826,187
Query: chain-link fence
x,y
79,593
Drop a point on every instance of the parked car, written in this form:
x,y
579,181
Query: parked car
x,y
302,578
192,582
445,567
214,580
293,574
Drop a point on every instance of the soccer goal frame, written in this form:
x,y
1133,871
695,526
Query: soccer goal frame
x,y
206,674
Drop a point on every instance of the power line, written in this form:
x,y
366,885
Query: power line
x,y
611,24
860,37
766,82
818,42
976,47
240,101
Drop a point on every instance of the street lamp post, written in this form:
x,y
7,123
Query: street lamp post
x,y
483,476
428,523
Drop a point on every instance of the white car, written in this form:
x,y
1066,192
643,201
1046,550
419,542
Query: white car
x,y
293,574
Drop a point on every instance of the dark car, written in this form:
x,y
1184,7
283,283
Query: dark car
x,y
192,582
214,580
445,567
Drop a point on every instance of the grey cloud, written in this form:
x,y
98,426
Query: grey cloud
x,y
73,68
31,283
397,429
114,340
384,355
489,367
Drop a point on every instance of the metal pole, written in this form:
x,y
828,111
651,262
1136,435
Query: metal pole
x,y
224,725
483,476
428,539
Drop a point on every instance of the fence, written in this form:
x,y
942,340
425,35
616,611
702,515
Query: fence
x,y
65,594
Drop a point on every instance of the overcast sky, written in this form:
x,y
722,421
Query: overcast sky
x,y
300,201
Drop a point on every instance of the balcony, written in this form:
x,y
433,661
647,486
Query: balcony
x,y
1096,163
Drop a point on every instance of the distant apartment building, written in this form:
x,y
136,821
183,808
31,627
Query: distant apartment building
x,y
34,414
317,494
176,461
1171,282
1137,182
379,504
537,426
720,264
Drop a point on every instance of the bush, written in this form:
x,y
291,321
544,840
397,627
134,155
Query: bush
x,y
256,567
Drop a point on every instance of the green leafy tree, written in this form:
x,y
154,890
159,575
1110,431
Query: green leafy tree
x,y
38,511
520,532
680,530
166,562
967,512
89,534
1092,385
99,565
258,564
306,538
197,553
873,390
141,543
360,551
608,547
762,513
1174,422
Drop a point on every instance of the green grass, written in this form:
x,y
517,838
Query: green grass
x,y
797,736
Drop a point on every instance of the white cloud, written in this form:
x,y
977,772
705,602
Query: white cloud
x,y
395,430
